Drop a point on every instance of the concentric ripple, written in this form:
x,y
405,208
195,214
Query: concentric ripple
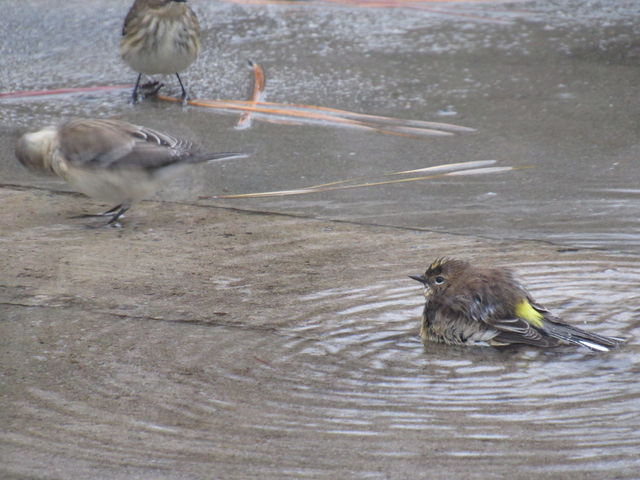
x,y
348,373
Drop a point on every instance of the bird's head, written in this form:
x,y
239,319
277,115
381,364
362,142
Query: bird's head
x,y
33,150
440,275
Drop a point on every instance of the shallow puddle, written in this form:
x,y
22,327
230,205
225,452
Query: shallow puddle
x,y
341,386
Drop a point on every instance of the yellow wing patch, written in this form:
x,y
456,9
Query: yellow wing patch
x,y
525,311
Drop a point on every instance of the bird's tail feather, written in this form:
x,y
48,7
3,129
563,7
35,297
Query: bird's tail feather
x,y
217,157
574,335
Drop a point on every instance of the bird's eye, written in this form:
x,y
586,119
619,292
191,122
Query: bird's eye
x,y
439,280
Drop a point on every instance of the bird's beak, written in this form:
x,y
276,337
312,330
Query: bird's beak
x,y
419,278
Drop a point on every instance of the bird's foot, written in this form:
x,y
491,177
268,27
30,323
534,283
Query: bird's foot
x,y
150,89
109,224
115,213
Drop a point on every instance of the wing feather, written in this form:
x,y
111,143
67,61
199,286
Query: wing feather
x,y
112,144
509,328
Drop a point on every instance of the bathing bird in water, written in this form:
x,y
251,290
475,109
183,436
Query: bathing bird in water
x,y
469,305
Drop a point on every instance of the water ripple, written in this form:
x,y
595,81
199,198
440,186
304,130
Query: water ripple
x,y
351,367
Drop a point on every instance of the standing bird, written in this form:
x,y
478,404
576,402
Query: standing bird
x,y
468,305
160,37
109,160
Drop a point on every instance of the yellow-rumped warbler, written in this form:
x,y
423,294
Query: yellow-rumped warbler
x,y
468,305
109,160
160,37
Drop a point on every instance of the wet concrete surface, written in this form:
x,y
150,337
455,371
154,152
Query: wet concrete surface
x,y
546,86
277,338
228,344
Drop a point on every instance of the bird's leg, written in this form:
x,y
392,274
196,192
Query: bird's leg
x,y
111,211
134,96
108,213
117,214
184,92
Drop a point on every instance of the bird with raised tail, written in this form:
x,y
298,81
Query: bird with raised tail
x,y
110,160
